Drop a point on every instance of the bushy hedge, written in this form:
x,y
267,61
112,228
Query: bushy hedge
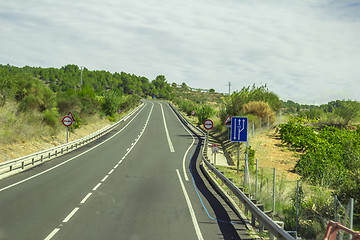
x,y
331,157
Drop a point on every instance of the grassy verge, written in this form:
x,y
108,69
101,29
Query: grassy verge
x,y
23,133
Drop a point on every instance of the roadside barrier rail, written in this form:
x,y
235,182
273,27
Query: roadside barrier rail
x,y
257,215
14,166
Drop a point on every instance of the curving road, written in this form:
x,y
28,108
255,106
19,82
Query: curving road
x,y
140,181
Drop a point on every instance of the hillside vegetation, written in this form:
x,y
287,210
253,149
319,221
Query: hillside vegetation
x,y
40,97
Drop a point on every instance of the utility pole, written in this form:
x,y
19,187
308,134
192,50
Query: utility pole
x,y
229,84
81,77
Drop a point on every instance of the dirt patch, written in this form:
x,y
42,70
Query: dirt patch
x,y
271,153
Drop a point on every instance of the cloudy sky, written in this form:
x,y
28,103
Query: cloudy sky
x,y
307,51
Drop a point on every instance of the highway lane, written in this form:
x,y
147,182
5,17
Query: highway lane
x,y
131,187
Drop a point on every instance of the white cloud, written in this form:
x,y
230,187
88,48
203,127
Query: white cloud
x,y
307,51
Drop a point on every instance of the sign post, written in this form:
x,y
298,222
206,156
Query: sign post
x,y
193,114
208,125
227,123
239,134
67,121
119,111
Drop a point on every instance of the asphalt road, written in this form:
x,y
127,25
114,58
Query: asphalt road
x,y
140,181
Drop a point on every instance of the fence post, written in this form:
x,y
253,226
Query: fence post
x,y
351,218
297,206
256,179
274,192
335,208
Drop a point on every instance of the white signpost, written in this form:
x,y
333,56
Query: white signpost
x,y
215,150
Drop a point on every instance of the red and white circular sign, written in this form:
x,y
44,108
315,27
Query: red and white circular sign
x,y
67,121
208,124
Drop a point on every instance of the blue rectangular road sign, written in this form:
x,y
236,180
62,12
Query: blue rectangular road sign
x,y
239,129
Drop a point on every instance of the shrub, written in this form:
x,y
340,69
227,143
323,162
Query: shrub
x,y
77,123
111,103
204,113
260,109
30,102
50,117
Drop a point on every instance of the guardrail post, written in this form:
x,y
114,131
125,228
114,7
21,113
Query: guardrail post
x,y
49,155
261,227
222,182
62,151
22,165
10,168
55,153
253,218
231,180
32,161
41,159
271,236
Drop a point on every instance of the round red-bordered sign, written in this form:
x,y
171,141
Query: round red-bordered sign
x,y
208,124
67,121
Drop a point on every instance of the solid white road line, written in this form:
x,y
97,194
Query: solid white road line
x,y
192,135
184,161
70,215
60,164
191,210
166,130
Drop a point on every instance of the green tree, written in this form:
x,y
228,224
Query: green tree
x,y
111,103
348,110
204,113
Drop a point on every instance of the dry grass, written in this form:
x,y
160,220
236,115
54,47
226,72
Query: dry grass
x,y
260,109
22,133
272,154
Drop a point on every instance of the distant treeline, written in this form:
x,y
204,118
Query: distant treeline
x,y
53,91
339,113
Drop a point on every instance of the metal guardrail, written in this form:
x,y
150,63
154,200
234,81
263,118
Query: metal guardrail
x,y
256,214
11,167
